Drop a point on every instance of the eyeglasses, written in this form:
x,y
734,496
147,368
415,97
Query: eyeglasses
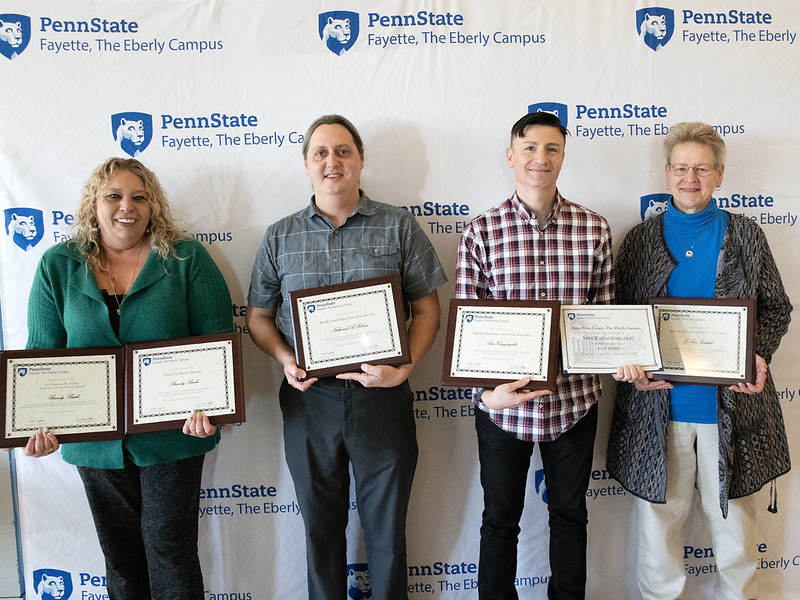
x,y
699,170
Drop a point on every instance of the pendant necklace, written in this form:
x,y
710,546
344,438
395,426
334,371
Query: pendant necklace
x,y
113,279
690,249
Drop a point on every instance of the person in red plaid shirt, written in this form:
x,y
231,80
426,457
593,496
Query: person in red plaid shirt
x,y
536,246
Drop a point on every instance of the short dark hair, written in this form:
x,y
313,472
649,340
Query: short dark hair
x,y
333,120
537,118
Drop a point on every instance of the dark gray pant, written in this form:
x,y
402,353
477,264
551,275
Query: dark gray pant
x,y
327,428
146,521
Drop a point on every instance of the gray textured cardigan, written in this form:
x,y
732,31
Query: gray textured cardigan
x,y
752,437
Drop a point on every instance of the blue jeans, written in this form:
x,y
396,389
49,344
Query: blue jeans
x,y
326,429
505,461
146,521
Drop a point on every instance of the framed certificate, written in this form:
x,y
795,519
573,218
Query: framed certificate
x,y
491,342
337,328
598,338
76,393
168,379
705,340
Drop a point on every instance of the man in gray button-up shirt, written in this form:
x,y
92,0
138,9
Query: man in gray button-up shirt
x,y
362,418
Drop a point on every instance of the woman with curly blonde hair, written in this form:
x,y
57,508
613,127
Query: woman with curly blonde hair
x,y
130,275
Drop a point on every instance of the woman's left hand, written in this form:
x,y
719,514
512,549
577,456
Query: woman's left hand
x,y
198,425
758,385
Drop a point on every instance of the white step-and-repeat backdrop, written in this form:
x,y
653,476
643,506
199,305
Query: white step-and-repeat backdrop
x,y
214,96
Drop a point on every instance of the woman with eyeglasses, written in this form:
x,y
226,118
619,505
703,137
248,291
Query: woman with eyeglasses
x,y
668,439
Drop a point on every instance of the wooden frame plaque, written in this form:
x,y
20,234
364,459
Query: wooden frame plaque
x,y
491,342
706,341
337,328
96,394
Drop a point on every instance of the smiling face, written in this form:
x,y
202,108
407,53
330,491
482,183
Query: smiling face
x,y
690,193
536,158
333,163
123,211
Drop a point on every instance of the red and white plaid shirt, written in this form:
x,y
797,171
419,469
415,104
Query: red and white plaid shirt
x,y
505,255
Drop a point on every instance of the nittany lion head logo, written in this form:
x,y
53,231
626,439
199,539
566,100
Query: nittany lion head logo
x,y
653,205
132,131
655,26
15,33
25,226
556,108
358,585
51,584
338,29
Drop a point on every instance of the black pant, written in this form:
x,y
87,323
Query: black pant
x,y
505,461
146,521
328,428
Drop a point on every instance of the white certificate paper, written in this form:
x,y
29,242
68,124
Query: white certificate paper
x,y
75,396
337,328
600,338
494,341
705,342
167,383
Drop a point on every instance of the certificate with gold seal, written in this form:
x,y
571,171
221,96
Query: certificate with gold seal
x,y
337,328
76,393
491,342
705,340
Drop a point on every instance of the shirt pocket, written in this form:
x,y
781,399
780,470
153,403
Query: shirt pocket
x,y
378,257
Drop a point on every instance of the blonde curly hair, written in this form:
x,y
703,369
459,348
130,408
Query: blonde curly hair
x,y
163,228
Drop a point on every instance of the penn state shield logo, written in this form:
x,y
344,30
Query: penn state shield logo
x,y
358,584
338,30
653,205
312,308
22,371
146,361
133,131
470,318
655,26
52,584
25,226
571,316
15,33
556,108
539,485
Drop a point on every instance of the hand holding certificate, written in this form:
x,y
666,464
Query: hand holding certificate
x,y
74,393
705,340
169,379
337,328
492,342
83,394
599,338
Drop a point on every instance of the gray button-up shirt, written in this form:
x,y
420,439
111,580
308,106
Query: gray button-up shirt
x,y
305,250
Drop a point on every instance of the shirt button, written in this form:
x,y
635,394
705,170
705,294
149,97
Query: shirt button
x,y
543,294
541,262
376,250
335,260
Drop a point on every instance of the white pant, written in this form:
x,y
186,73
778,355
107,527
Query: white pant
x,y
692,458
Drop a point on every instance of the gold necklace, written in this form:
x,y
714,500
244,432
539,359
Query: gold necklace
x,y
113,280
